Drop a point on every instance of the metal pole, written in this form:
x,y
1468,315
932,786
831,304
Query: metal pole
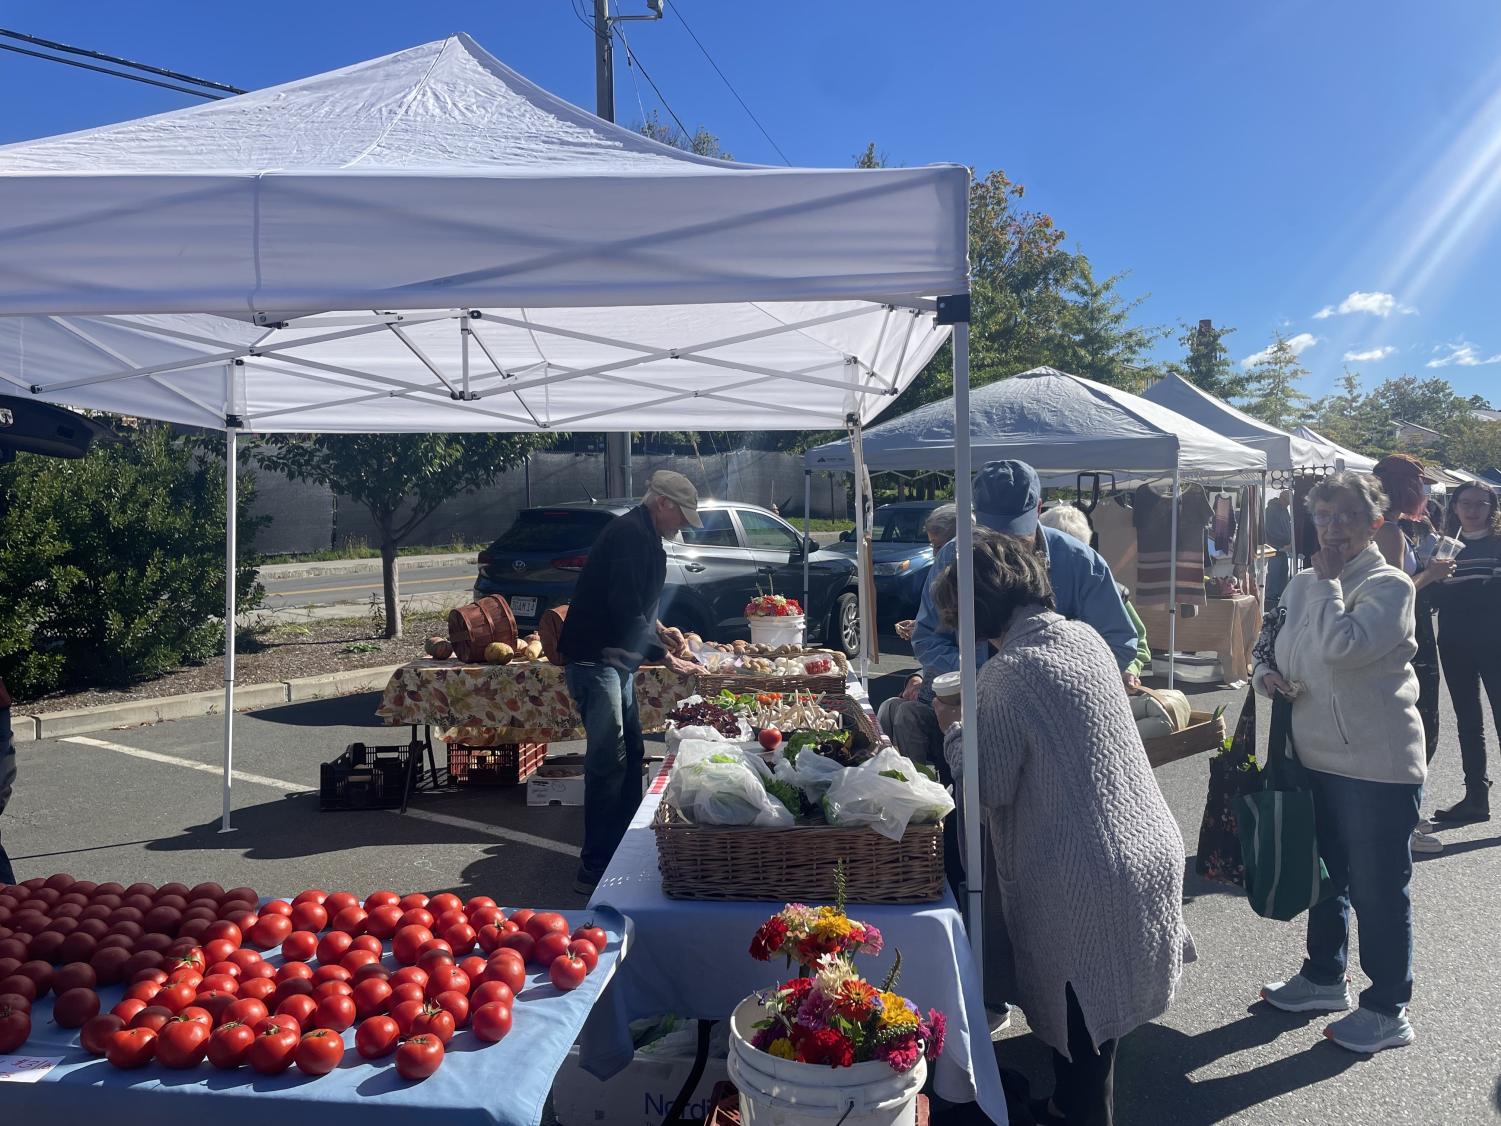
x,y
1172,587
857,448
964,546
231,522
807,528
617,446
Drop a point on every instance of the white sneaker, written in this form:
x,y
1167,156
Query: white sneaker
x,y
1426,842
1426,825
1368,1032
1299,995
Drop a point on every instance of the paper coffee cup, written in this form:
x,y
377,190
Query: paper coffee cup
x,y
946,687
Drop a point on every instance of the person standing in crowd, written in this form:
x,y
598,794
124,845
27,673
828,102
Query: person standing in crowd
x,y
939,528
1400,539
1340,649
610,630
1278,535
7,777
1469,640
1087,854
1071,520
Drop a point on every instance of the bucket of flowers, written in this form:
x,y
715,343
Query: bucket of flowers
x,y
775,620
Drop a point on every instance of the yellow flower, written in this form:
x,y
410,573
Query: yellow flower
x,y
829,923
894,1012
781,1047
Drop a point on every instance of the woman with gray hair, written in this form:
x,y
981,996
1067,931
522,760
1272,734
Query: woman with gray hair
x,y
1340,647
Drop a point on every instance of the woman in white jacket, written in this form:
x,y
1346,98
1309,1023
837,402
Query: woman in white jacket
x,y
1343,653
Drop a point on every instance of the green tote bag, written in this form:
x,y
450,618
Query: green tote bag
x,y
1278,836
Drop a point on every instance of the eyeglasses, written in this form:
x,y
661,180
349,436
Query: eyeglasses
x,y
1324,519
1473,505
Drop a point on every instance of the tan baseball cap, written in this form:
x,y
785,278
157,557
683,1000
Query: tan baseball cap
x,y
678,489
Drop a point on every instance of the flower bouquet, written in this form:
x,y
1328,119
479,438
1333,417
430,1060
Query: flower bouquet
x,y
773,606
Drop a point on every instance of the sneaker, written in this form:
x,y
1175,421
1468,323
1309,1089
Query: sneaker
x,y
1426,825
1476,806
1299,995
999,1020
1426,842
1367,1031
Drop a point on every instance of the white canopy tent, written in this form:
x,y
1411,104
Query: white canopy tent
x,y
1285,452
1059,424
1336,456
428,241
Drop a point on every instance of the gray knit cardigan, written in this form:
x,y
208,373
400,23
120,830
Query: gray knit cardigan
x,y
1089,858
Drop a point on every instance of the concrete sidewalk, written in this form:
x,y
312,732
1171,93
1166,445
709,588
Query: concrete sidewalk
x,y
278,572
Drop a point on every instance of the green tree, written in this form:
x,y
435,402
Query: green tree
x,y
1105,344
401,479
119,575
870,158
700,143
1271,392
1206,362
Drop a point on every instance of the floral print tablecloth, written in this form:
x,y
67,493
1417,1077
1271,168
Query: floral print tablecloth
x,y
516,703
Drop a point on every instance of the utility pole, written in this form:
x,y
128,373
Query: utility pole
x,y
617,446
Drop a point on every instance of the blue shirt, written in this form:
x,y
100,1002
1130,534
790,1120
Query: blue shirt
x,y
1082,584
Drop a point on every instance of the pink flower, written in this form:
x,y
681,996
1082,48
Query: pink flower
x,y
901,1054
932,1032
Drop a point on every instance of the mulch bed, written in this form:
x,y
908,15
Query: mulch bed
x,y
274,653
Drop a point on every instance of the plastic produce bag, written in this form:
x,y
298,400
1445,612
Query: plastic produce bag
x,y
676,735
887,793
813,773
715,784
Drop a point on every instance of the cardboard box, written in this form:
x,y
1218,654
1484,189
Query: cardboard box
x,y
561,781
643,1092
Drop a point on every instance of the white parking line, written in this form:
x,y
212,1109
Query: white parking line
x,y
513,835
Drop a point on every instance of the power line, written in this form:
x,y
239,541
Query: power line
x,y
115,73
677,10
37,41
632,59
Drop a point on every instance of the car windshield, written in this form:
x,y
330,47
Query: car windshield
x,y
905,525
552,529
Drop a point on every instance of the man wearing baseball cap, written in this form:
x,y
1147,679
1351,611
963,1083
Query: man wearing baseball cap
x,y
610,630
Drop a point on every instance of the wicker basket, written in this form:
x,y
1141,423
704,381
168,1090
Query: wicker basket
x,y
710,684
741,862
472,627
1205,732
507,764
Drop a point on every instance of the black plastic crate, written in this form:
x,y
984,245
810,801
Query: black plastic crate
x,y
366,777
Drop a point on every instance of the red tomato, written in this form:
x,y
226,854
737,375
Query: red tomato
x,y
520,917
436,1020
292,987
456,1004
245,958
333,946
485,917
127,1009
406,974
520,941
289,970
413,901
319,1052
333,989
418,1057
488,937
261,988
190,956
77,947
230,1044
479,902
217,950
246,1010
448,919
131,1047
185,977
220,983
473,967
507,966
166,920
109,964
405,1013
18,983
309,916
367,942
96,1033
488,991
444,901
368,971
406,991
277,907
336,1013
406,944
435,954
245,920
551,945
75,1007
312,895
225,968
274,1046
182,1043
545,922
339,900
381,899
152,1017
270,930
351,920
244,895
353,960
417,917
591,933
301,1008
197,1013
331,973
567,972
461,937
448,978
40,973
382,921
371,996
214,1002
299,946
205,891
492,1021
15,1027
75,975
586,951
143,991
176,995
376,1037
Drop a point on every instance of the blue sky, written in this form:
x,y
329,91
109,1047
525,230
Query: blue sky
x,y
1328,170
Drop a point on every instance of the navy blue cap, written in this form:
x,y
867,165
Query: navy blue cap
x,y
1007,495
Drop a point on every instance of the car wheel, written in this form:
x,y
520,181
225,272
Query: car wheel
x,y
844,624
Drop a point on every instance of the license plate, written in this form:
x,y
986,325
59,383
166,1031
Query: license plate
x,y
524,607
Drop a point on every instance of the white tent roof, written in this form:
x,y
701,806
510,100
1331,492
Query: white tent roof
x,y
1058,423
1334,454
1283,450
620,282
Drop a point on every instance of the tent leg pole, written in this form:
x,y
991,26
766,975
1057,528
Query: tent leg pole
x,y
231,527
1172,588
857,446
807,529
964,535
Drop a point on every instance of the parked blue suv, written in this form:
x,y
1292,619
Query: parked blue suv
x,y
712,572
900,556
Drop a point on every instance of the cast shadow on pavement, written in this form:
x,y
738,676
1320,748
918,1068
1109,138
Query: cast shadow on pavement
x,y
1195,886
1454,848
337,711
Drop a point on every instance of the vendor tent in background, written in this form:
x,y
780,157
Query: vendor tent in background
x,y
1284,452
429,242
1335,455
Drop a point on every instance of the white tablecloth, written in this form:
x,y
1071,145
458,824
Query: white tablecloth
x,y
692,959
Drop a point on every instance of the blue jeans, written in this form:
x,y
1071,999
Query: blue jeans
x,y
1365,837
606,698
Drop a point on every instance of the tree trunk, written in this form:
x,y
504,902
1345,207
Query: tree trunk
x,y
391,579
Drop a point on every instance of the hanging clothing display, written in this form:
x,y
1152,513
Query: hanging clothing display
x,y
1153,516
1222,530
1116,534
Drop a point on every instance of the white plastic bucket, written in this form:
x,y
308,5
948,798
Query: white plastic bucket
x,y
777,631
778,1092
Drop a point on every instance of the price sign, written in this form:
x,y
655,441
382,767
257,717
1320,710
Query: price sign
x,y
26,1069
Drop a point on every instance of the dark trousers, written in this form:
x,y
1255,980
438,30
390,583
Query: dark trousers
x,y
1365,837
1084,1086
1426,666
606,698
1467,665
1277,574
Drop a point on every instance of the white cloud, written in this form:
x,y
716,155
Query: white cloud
x,y
1377,304
1461,354
1370,355
1296,344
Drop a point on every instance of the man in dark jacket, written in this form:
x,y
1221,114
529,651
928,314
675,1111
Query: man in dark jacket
x,y
7,777
610,630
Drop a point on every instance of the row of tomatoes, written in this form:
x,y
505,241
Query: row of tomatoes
x,y
224,1002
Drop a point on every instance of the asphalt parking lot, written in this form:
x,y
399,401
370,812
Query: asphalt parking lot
x,y
143,804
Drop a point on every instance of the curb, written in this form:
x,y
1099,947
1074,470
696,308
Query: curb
x,y
280,571
190,705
